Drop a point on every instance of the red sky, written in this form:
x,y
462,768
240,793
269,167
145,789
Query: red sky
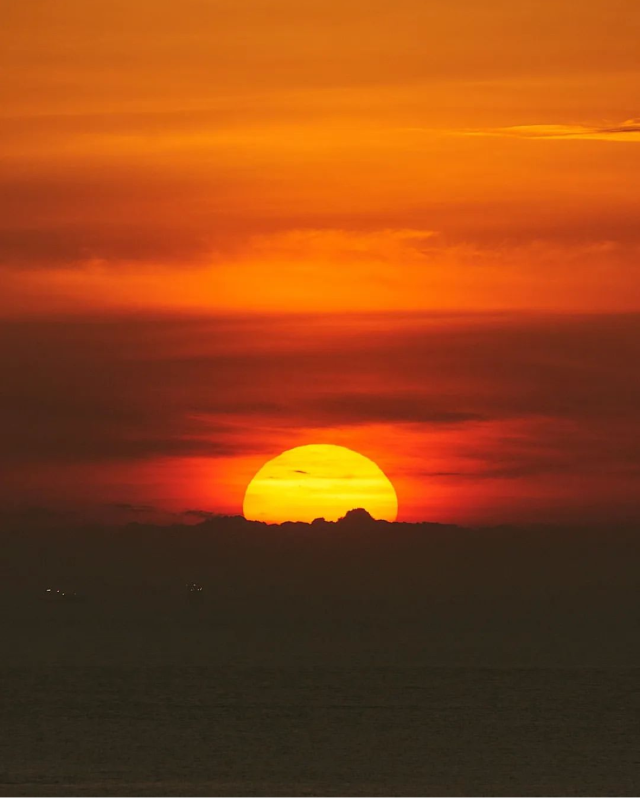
x,y
411,228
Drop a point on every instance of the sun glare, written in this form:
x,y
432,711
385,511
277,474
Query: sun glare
x,y
319,481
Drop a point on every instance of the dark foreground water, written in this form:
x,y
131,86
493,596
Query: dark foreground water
x,y
264,731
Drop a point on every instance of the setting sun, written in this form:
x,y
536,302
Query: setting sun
x,y
319,481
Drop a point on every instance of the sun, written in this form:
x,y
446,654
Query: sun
x,y
319,481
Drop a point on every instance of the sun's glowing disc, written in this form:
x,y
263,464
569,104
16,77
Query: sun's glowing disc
x,y
319,481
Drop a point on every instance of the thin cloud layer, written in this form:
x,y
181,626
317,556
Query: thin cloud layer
x,y
473,399
628,131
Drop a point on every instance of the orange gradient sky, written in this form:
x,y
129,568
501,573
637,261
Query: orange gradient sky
x,y
229,228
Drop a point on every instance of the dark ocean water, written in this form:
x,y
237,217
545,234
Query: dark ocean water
x,y
182,730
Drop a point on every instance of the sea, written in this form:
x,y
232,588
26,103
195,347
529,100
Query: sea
x,y
317,730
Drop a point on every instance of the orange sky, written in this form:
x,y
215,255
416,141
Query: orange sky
x,y
448,188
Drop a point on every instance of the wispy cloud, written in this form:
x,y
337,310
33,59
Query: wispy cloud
x,y
628,131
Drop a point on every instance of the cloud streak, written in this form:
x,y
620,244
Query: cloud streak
x,y
628,131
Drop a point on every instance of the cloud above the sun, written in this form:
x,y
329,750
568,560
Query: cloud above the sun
x,y
628,132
